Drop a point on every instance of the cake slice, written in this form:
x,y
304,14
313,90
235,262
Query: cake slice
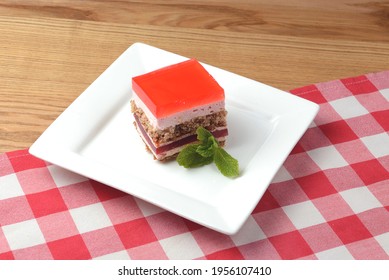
x,y
169,104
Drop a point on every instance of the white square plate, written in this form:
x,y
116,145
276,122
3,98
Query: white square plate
x,y
95,137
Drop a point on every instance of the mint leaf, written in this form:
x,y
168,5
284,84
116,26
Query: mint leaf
x,y
206,152
189,157
203,135
208,149
226,164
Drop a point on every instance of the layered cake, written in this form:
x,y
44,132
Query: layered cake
x,y
169,104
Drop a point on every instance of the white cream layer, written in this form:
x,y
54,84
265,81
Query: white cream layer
x,y
180,117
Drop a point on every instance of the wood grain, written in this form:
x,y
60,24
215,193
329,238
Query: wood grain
x,y
343,19
50,51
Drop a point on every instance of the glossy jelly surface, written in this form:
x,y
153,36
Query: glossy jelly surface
x,y
177,88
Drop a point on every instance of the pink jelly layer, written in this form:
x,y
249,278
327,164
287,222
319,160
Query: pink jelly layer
x,y
179,143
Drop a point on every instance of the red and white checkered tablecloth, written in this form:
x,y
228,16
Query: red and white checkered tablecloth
x,y
330,199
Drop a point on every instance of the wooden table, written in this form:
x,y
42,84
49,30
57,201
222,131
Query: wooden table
x,y
50,51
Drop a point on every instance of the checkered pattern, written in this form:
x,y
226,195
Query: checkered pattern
x,y
329,200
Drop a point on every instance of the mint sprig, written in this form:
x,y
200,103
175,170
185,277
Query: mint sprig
x,y
207,151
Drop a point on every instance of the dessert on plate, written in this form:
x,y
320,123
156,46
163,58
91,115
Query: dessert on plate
x,y
170,103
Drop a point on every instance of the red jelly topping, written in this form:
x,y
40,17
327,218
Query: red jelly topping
x,y
177,88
